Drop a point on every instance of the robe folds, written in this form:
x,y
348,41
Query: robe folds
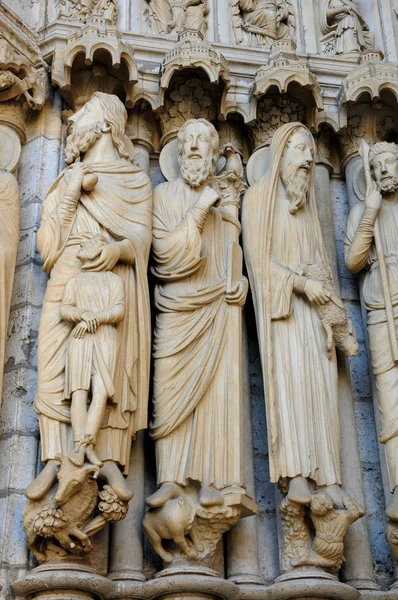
x,y
9,240
118,208
190,343
300,382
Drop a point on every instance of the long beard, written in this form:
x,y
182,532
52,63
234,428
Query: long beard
x,y
196,171
79,141
389,186
296,181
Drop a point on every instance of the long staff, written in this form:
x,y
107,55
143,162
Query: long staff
x,y
364,152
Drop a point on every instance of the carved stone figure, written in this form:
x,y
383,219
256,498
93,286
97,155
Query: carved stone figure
x,y
92,10
281,233
342,24
371,245
9,239
261,22
94,302
197,384
94,240
178,16
325,547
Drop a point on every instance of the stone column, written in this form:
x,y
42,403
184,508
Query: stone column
x,y
126,539
39,166
358,569
242,562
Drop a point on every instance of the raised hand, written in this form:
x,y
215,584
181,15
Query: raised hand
x,y
373,197
78,172
209,197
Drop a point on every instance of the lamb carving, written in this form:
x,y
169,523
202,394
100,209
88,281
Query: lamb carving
x,y
333,316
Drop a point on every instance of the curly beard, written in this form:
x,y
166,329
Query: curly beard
x,y
79,141
389,186
195,171
296,181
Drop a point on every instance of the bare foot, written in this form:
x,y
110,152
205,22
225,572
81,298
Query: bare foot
x,y
43,482
92,457
209,496
167,491
113,475
299,490
392,508
77,456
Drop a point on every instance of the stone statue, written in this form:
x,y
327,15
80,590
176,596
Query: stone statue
x,y
178,16
262,22
94,241
9,240
371,245
94,302
104,11
343,19
197,350
290,278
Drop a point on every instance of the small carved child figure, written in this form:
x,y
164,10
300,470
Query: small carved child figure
x,y
96,302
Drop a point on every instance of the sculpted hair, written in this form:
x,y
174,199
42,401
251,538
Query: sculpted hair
x,y
115,115
215,140
382,147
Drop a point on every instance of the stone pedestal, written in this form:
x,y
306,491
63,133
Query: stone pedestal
x,y
193,584
62,582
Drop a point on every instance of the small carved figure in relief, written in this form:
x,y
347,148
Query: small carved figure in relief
x,y
200,292
371,245
344,28
94,301
262,22
81,10
281,234
178,16
104,199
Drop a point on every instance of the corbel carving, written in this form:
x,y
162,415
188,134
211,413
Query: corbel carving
x,y
192,52
283,69
94,75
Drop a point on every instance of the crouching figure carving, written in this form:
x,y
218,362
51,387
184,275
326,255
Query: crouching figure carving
x,y
93,365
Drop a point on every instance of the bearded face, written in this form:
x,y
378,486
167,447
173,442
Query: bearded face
x,y
196,154
385,167
196,171
297,165
81,139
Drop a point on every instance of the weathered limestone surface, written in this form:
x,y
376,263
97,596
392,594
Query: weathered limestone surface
x,y
248,67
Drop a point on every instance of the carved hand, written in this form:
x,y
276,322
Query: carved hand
x,y
315,292
209,197
373,197
91,321
239,293
80,330
110,255
76,179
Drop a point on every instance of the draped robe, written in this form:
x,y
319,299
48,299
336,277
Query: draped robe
x,y
300,382
118,208
190,344
9,239
350,28
384,368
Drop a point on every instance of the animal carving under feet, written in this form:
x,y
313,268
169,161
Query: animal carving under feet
x,y
60,522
